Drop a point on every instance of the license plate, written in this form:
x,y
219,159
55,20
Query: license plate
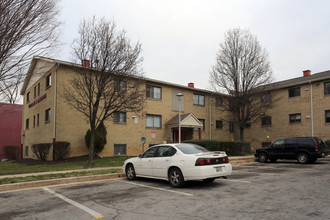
x,y
218,169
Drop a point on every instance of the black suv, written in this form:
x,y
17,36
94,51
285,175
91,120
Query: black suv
x,y
302,149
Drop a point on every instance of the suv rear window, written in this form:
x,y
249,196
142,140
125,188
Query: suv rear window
x,y
304,141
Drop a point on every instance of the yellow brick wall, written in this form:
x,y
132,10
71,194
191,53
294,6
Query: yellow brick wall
x,y
71,125
283,106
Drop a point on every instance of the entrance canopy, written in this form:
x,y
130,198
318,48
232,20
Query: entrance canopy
x,y
188,120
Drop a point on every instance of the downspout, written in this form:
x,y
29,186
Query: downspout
x,y
312,112
55,101
211,119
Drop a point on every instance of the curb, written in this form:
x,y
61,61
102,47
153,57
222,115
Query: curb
x,y
42,183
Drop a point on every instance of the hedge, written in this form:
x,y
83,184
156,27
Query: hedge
x,y
61,149
41,150
232,148
11,152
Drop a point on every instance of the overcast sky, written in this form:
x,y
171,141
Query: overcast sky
x,y
180,38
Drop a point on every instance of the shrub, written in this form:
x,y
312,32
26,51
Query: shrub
x,y
41,150
232,148
100,139
61,149
11,152
328,143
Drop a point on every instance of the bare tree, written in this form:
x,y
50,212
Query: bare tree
x,y
112,81
27,28
9,89
242,70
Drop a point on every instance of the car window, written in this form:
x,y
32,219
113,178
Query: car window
x,y
150,152
278,143
191,148
165,151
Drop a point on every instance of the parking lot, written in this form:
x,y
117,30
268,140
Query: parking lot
x,y
282,190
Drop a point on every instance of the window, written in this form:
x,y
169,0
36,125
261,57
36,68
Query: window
x,y
48,81
37,119
47,115
27,123
327,88
165,151
294,92
294,118
231,127
119,117
150,152
199,99
26,150
119,149
28,97
266,97
154,92
218,124
154,121
278,143
327,116
266,121
38,89
34,120
218,101
120,86
35,92
203,122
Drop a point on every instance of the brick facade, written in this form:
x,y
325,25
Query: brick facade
x,y
66,124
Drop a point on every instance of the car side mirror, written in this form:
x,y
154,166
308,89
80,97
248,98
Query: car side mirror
x,y
140,155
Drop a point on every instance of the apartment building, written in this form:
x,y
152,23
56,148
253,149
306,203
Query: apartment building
x,y
302,109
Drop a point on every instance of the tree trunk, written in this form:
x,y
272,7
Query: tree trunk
x,y
91,148
241,134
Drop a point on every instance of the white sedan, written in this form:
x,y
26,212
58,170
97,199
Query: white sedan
x,y
178,163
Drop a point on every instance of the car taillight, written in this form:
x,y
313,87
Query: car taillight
x,y
316,148
210,161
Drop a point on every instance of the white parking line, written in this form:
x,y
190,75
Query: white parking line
x,y
82,207
156,188
238,181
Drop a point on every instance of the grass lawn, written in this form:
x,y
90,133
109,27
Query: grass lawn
x,y
56,176
12,167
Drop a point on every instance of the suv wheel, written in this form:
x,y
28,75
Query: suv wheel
x,y
302,158
263,157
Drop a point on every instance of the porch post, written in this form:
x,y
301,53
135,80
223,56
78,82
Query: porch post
x,y
200,133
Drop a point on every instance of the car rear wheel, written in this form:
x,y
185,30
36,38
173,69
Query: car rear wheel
x,y
130,172
175,177
263,157
302,158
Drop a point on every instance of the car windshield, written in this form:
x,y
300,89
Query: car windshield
x,y
191,148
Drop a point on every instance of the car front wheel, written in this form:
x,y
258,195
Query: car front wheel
x,y
130,172
302,158
263,157
175,177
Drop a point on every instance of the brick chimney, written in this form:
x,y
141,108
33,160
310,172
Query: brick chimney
x,y
85,63
307,73
191,85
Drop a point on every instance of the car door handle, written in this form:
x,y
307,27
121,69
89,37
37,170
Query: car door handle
x,y
167,160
